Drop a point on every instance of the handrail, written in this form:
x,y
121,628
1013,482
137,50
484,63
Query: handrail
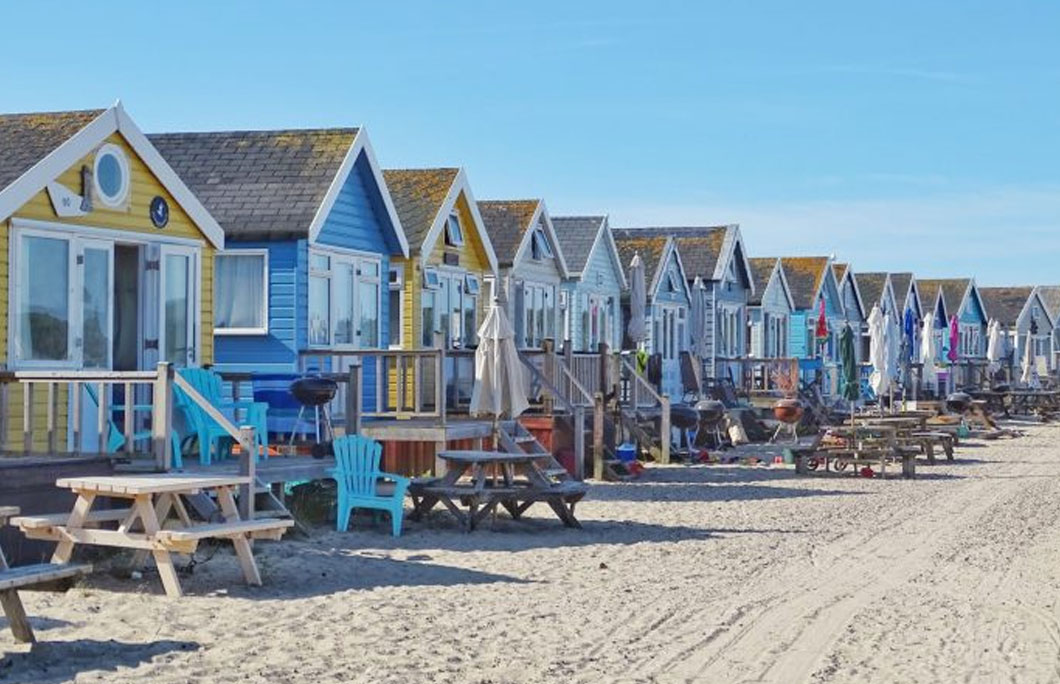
x,y
536,373
664,407
577,412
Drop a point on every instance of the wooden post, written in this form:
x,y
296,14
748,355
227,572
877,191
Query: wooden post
x,y
579,442
353,398
664,405
27,417
598,436
102,418
440,378
568,358
51,418
605,363
162,417
248,462
5,416
548,369
130,417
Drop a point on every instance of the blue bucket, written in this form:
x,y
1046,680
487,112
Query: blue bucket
x,y
627,453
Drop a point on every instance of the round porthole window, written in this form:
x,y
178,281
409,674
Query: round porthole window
x,y
111,176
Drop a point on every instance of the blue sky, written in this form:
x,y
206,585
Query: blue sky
x,y
899,136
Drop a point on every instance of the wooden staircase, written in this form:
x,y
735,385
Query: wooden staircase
x,y
513,438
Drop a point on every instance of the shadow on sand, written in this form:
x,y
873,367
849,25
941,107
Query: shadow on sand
x,y
60,661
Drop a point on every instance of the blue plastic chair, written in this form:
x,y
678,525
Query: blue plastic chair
x,y
212,438
357,474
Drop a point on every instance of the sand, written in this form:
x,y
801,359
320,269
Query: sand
x,y
713,574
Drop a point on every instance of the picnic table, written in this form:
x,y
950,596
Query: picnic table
x,y
152,500
911,429
494,481
861,445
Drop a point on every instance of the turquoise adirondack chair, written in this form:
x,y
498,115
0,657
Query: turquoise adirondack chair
x,y
357,474
212,438
115,436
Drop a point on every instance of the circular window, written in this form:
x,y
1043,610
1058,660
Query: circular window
x,y
111,175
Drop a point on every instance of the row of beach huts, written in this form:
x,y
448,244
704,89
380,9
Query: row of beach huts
x,y
262,253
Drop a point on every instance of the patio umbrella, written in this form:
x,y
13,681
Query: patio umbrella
x,y
928,353
821,331
1029,376
851,387
638,301
994,346
891,333
500,381
698,316
880,379
954,338
909,334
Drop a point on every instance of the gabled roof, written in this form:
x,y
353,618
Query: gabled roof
x,y
872,285
844,272
705,250
763,270
510,224
579,236
806,276
901,285
1051,298
273,184
654,251
425,197
952,291
36,148
1005,304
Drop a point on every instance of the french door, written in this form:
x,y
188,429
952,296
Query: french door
x,y
179,311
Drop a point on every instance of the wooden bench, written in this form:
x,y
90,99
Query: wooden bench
x,y
259,528
13,579
869,457
38,522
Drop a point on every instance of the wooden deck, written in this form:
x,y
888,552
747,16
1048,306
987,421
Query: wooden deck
x,y
426,429
278,469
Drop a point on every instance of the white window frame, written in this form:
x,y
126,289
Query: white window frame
x,y
531,339
194,303
540,248
355,259
397,285
126,182
454,239
235,332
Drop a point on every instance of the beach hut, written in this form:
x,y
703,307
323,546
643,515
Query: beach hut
x,y
717,257
1021,311
591,296
959,297
107,255
812,282
877,289
668,301
1050,295
441,286
769,309
310,232
531,267
855,308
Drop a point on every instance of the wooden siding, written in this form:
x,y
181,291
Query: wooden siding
x,y
527,269
776,305
135,217
600,277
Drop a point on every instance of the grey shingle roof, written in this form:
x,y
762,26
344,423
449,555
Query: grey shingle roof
x,y
650,247
506,223
576,235
872,286
1051,296
804,275
700,246
418,196
26,139
761,270
900,283
1004,303
953,290
259,184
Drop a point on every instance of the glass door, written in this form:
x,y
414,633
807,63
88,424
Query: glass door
x,y
95,341
179,306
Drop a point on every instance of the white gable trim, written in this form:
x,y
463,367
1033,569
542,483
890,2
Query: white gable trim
x,y
460,185
541,214
604,231
22,190
829,273
733,237
656,282
849,275
778,269
361,144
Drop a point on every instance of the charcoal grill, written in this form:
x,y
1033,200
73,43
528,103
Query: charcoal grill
x,y
314,392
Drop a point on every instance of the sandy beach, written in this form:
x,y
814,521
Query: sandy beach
x,y
713,574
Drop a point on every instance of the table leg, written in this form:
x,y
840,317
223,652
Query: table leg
x,y
16,614
240,542
163,560
65,549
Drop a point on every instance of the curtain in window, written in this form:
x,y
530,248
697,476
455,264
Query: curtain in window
x,y
240,291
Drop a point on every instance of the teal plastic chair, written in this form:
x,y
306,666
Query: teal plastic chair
x,y
115,436
212,438
357,474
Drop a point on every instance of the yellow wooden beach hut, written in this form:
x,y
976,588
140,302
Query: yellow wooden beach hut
x,y
106,257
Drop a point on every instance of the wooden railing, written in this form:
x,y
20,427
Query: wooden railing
x,y
639,394
545,380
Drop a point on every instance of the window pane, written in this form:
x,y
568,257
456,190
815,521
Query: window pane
x,y
319,262
177,296
239,291
427,319
44,299
319,310
369,305
342,292
395,317
470,329
370,269
95,330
